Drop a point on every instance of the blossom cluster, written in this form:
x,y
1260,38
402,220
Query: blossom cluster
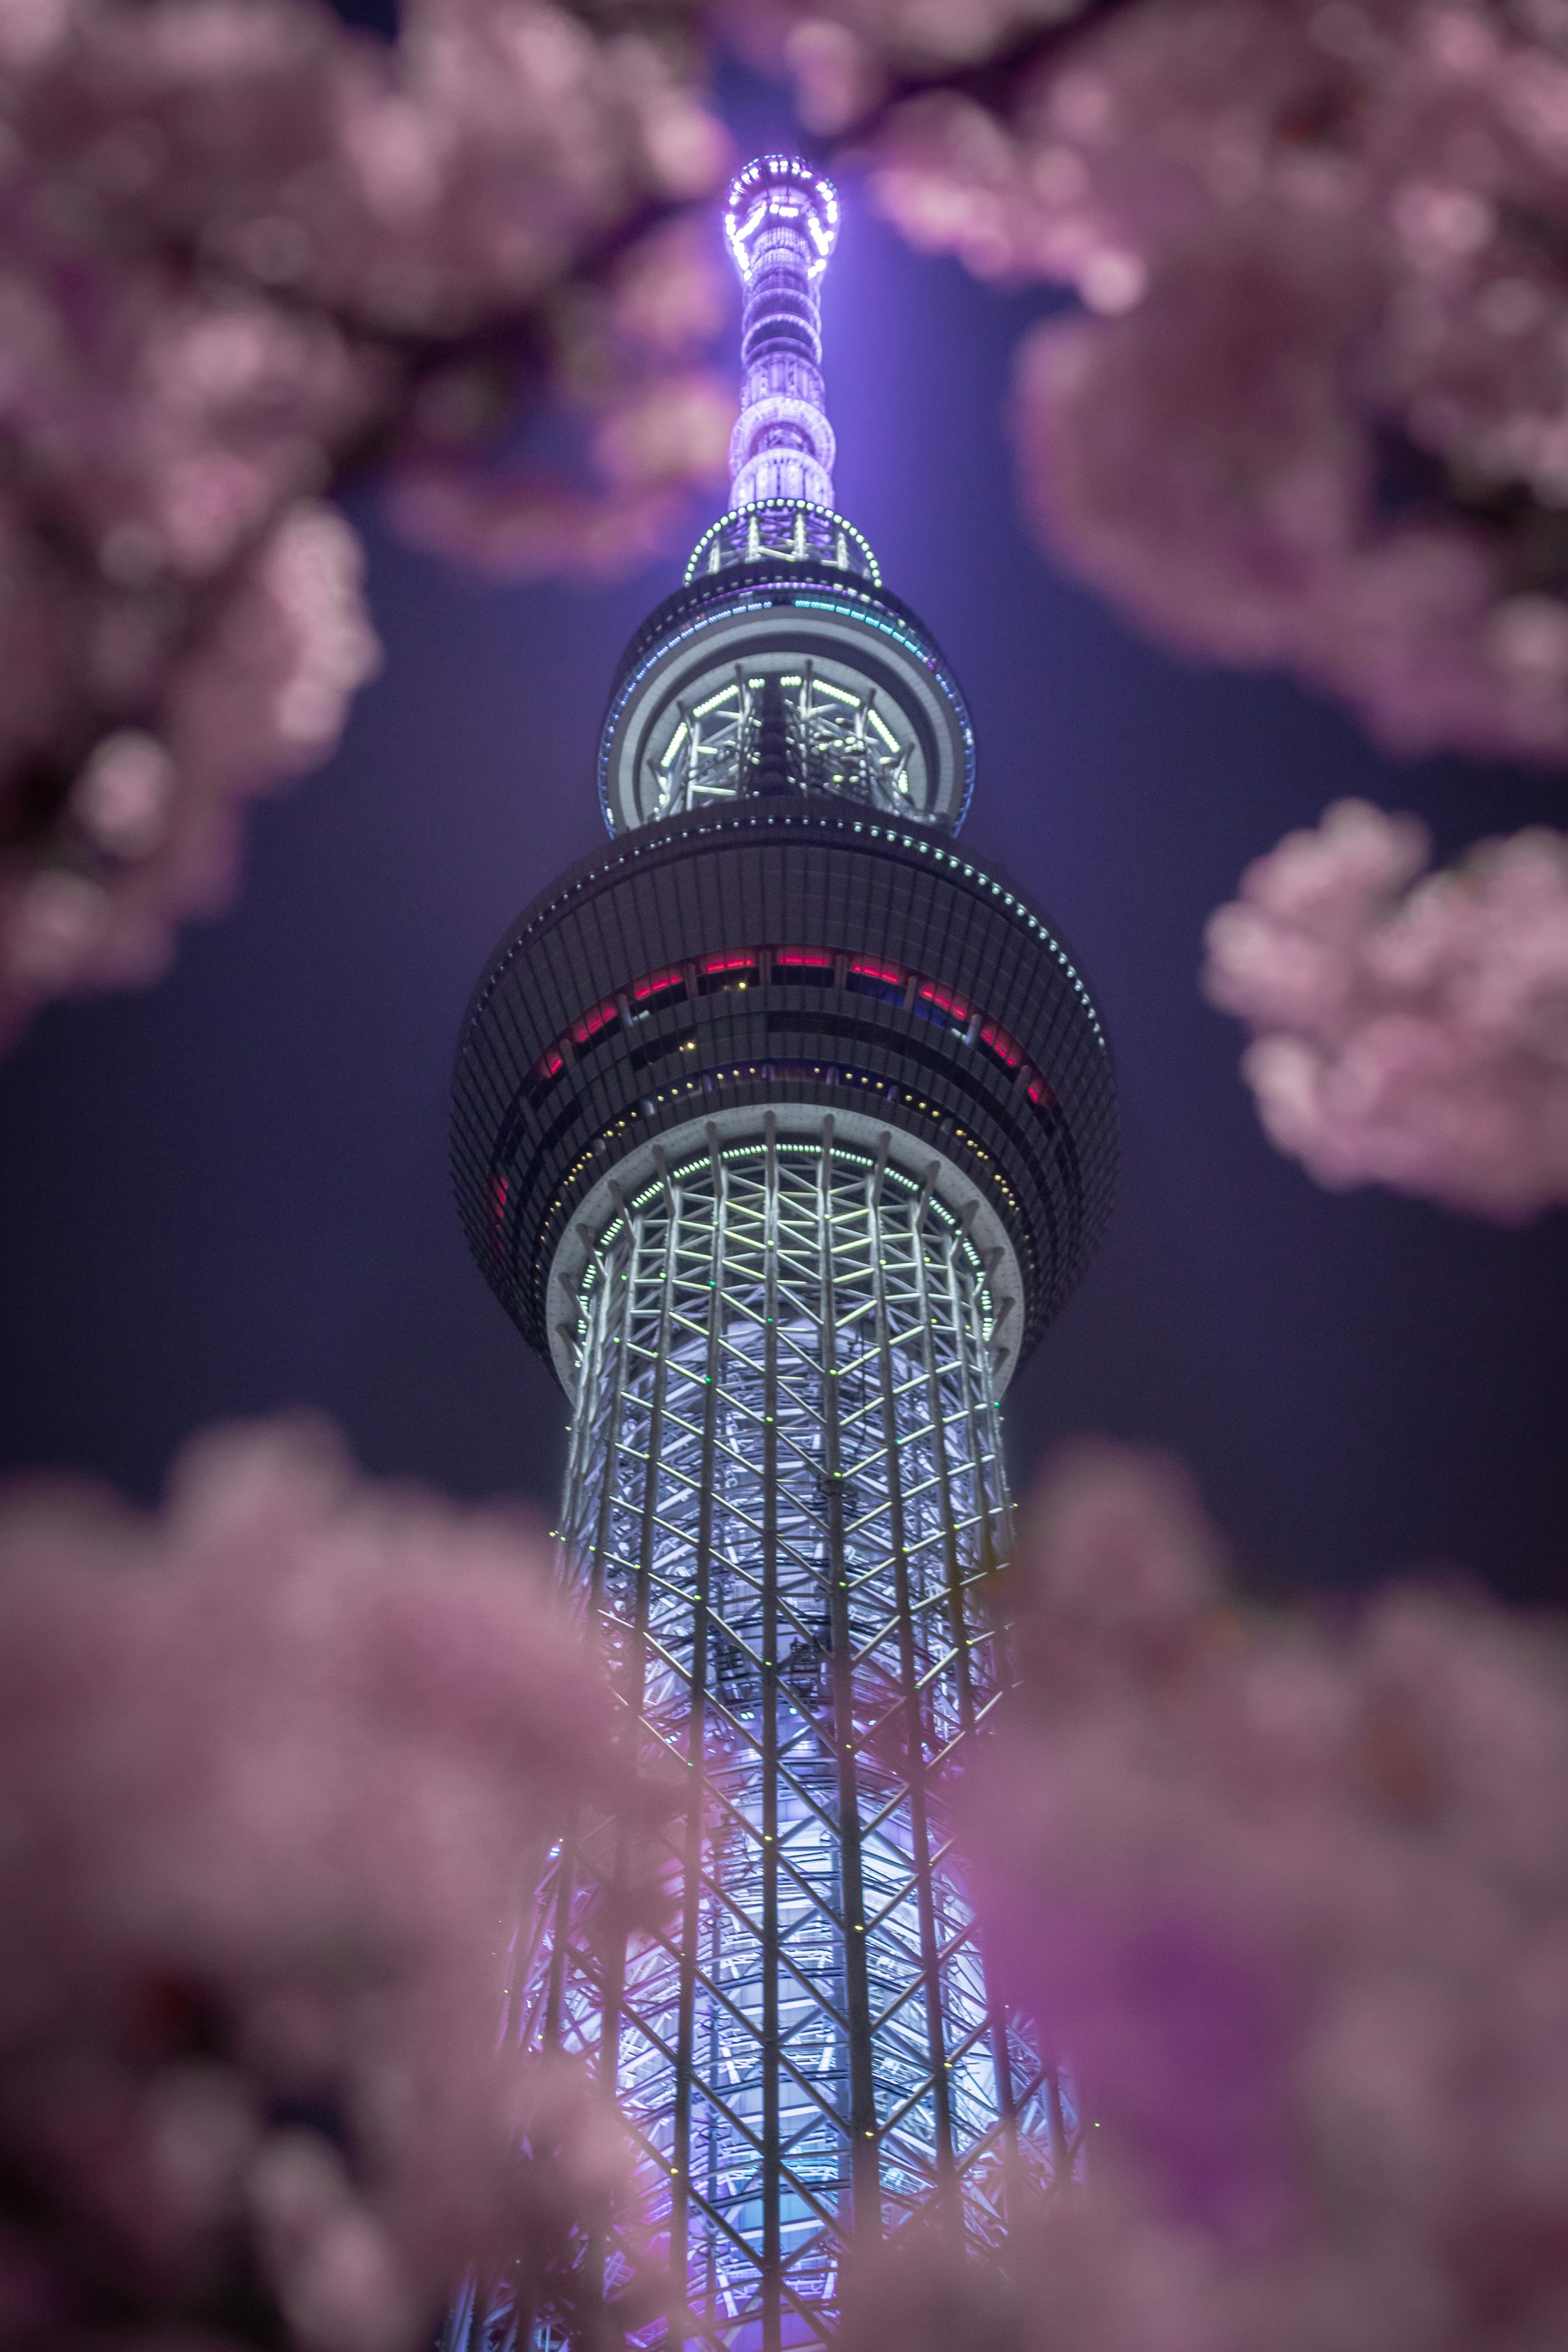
x,y
1410,1028
246,252
1311,414
852,62
279,1768
1288,1898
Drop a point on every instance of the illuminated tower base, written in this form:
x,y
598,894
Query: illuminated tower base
x,y
788,1489
785,1128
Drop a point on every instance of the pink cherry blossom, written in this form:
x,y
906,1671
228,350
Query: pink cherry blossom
x,y
849,59
1409,1029
147,828
1287,1899
1314,416
656,423
279,1768
247,254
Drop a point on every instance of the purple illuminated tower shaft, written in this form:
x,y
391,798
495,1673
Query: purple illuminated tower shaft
x,y
782,224
784,1128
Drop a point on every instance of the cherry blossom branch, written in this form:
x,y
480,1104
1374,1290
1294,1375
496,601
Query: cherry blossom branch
x,y
249,255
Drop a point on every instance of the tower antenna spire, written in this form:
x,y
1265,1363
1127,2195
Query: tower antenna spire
x,y
781,223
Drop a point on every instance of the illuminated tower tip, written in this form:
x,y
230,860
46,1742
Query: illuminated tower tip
x,y
780,222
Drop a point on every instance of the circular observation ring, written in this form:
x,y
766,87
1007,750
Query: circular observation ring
x,y
780,615
777,955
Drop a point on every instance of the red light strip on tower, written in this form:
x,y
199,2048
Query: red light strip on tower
x,y
959,1006
1007,1049
655,983
959,1012
591,1022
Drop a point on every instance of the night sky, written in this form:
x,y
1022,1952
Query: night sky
x,y
228,1194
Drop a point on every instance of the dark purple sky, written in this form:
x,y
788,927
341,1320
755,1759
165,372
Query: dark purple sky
x,y
228,1193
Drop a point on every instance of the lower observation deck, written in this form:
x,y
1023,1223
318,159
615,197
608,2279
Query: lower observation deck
x,y
782,953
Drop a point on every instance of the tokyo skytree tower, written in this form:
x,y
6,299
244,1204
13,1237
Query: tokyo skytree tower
x,y
784,1128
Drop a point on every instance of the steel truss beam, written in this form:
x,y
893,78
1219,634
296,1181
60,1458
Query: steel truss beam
x,y
785,1503
831,737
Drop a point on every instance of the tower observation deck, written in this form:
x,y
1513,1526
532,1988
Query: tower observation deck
x,y
783,1129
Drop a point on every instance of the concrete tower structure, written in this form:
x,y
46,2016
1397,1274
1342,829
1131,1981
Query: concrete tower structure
x,y
784,1128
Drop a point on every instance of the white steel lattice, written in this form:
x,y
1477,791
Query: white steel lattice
x,y
785,1497
838,735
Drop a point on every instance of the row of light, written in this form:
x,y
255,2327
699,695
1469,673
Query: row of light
x,y
800,513
782,188
874,832
740,967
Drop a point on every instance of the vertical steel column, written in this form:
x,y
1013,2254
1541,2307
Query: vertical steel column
x,y
914,1731
633,1674
608,1330
692,1910
957,1629
865,2172
772,2184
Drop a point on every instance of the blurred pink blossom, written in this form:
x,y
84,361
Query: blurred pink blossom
x,y
146,830
245,254
279,1768
850,60
658,424
1409,1028
531,525
1314,417
1290,1899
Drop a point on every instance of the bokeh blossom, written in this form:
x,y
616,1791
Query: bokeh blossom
x,y
279,1768
1409,1028
245,254
1289,1899
852,62
1309,412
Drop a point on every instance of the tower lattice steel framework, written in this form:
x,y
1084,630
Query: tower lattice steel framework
x,y
784,1128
